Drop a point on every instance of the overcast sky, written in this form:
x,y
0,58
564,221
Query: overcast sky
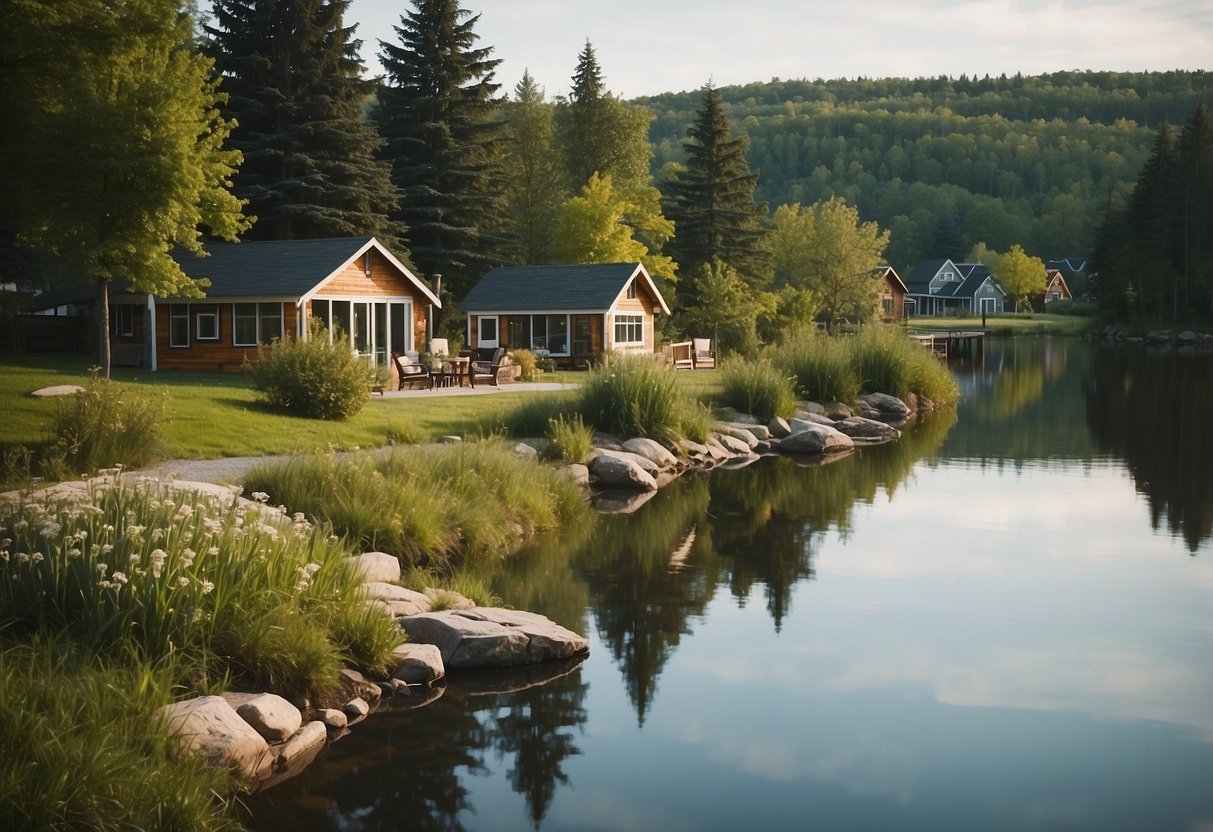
x,y
651,46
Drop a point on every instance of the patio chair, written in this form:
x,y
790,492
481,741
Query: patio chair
x,y
439,346
682,356
703,354
411,371
487,370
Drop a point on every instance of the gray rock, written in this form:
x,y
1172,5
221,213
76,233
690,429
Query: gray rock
x,y
736,431
358,684
652,450
418,664
731,414
209,728
577,472
450,439
271,716
608,441
734,445
812,407
887,405
333,718
524,449
1188,337
610,470
778,427
377,566
716,451
356,708
643,461
304,745
857,427
57,390
399,601
837,410
491,637
816,439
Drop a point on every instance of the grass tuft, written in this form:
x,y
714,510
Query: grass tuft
x,y
757,387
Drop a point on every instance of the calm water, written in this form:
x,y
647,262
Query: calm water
x,y
1003,621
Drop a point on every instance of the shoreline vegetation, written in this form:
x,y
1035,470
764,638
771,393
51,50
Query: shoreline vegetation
x,y
151,595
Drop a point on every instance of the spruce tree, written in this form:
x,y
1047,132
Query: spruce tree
x,y
438,113
532,174
294,80
711,201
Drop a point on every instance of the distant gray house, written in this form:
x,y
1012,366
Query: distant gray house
x,y
573,314
940,287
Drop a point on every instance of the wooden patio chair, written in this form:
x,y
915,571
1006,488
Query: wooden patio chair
x,y
703,353
682,356
411,371
487,370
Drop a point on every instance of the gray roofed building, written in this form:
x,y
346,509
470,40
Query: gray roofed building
x,y
589,287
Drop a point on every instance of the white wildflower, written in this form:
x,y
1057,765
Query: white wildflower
x,y
158,558
119,578
185,511
134,558
183,581
207,586
22,557
187,557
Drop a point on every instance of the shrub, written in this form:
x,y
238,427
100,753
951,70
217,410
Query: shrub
x,y
821,366
313,377
527,364
101,427
633,396
571,437
757,387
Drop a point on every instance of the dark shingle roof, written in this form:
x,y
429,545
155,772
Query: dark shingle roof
x,y
922,273
587,287
271,268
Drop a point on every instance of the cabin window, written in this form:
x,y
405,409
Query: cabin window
x,y
206,322
629,329
886,304
632,290
122,320
519,328
178,325
254,323
1055,296
488,331
551,333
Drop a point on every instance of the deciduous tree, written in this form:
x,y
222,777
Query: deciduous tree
x,y
1020,274
590,229
124,142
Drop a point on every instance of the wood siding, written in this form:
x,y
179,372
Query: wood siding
x,y
384,281
210,356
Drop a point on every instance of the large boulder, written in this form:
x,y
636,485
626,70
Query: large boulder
x,y
888,406
871,430
209,728
417,664
816,439
377,566
271,716
613,470
492,637
652,450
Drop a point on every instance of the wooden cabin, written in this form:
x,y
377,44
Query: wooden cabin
x,y
266,290
891,296
572,314
1056,288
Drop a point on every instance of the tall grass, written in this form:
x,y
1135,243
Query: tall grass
x,y
821,365
429,505
220,589
633,396
757,387
103,426
82,749
571,438
888,362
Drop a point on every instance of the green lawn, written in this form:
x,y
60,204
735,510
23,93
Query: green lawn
x,y
1009,324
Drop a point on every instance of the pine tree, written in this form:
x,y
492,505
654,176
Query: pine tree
x,y
711,201
292,72
532,174
1196,211
439,115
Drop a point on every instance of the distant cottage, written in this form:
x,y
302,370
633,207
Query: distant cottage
x,y
573,314
939,287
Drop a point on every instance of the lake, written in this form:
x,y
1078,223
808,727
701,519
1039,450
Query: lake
x,y
1002,621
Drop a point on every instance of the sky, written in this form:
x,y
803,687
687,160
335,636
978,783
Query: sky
x,y
645,48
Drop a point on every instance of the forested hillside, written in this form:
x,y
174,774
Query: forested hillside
x,y
945,163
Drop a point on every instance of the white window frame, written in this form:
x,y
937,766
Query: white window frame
x,y
631,326
211,311
481,338
179,325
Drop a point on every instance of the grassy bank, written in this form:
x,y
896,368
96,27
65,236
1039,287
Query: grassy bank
x,y
1008,324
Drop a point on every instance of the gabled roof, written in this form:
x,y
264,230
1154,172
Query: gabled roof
x,y
887,272
975,274
922,273
588,287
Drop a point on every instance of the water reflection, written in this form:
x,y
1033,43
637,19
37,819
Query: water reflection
x,y
1153,409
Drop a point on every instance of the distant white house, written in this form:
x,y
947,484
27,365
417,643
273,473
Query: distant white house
x,y
937,287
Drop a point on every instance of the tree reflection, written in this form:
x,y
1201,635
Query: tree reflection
x,y
647,575
1153,409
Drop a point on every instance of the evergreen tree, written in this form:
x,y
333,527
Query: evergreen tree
x,y
292,72
123,143
711,201
439,115
1196,211
532,173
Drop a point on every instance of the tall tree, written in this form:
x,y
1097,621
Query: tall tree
x,y
1196,211
310,170
533,177
124,142
1021,274
711,200
439,115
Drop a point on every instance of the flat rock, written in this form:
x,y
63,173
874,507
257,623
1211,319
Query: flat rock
x,y
493,637
57,390
333,718
778,427
271,716
643,461
652,450
611,470
734,445
209,728
738,432
358,685
397,599
304,744
816,439
378,567
858,427
417,664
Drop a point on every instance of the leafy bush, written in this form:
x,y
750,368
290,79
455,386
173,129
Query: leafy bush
x,y
821,365
757,387
1076,308
313,377
527,364
101,427
571,437
221,589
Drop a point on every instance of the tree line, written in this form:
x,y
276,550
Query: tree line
x,y
149,126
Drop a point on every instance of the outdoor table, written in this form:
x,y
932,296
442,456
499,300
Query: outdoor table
x,y
454,372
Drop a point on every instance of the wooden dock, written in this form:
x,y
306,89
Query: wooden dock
x,y
953,343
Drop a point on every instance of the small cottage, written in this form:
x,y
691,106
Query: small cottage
x,y
891,295
939,287
1056,288
573,314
